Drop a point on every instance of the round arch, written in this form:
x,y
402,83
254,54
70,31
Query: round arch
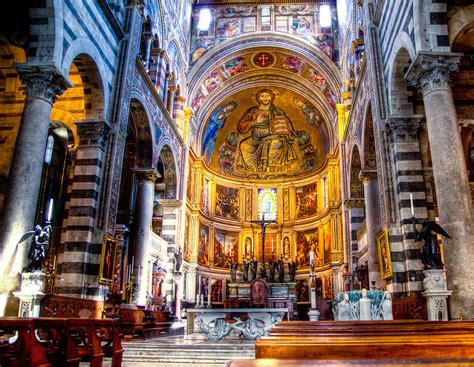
x,y
399,90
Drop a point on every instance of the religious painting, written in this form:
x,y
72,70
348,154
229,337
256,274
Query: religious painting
x,y
267,204
306,200
197,102
205,196
328,293
286,247
226,247
216,122
216,290
200,47
203,246
227,28
266,143
326,242
233,11
212,81
189,183
383,245
186,237
235,66
316,78
107,260
227,202
302,292
292,63
305,242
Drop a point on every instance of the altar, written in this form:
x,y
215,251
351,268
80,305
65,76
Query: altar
x,y
218,323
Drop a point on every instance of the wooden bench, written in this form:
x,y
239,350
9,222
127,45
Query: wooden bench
x,y
369,340
59,342
352,363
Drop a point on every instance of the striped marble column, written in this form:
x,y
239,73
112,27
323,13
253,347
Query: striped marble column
x,y
408,172
83,245
372,220
170,234
355,209
156,68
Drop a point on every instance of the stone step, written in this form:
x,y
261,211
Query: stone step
x,y
197,351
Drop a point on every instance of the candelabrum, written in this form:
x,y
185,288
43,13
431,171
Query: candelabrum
x,y
130,290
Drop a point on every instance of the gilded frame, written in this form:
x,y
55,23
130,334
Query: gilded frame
x,y
385,259
107,260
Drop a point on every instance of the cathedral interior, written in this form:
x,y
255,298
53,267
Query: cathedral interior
x,y
164,155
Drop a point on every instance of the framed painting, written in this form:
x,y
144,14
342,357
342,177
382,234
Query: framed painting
x,y
107,260
384,254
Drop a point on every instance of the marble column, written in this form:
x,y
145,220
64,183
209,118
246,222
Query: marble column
x,y
142,229
431,73
372,220
43,84
148,41
177,279
121,235
170,100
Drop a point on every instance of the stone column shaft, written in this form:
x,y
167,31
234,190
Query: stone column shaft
x,y
372,220
142,227
431,73
43,84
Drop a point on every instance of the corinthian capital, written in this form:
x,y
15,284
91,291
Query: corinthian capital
x,y
403,129
431,71
46,81
147,174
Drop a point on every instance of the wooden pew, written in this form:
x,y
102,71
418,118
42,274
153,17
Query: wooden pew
x,y
59,342
374,340
351,363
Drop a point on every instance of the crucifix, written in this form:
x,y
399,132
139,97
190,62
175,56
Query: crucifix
x,y
263,223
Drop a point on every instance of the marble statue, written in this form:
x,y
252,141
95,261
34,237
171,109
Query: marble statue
x,y
364,306
343,309
178,260
387,307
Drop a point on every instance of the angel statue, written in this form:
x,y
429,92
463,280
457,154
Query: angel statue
x,y
37,253
430,252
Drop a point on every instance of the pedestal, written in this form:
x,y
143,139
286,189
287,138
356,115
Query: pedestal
x,y
436,294
313,315
30,294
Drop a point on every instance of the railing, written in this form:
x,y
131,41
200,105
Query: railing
x,y
58,342
158,244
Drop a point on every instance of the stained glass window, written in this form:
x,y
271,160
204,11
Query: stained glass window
x,y
267,203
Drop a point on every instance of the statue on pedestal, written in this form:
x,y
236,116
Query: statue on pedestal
x,y
233,271
178,260
364,306
430,252
292,271
245,271
273,266
281,271
37,253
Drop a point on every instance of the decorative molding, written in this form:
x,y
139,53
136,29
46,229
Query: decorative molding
x,y
354,203
431,71
45,81
170,203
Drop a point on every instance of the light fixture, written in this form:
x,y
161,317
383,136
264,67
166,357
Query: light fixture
x,y
204,19
325,16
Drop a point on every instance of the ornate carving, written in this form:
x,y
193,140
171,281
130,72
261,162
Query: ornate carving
x,y
43,81
403,129
93,133
368,175
147,174
431,72
170,203
434,281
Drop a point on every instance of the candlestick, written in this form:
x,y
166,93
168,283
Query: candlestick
x,y
411,204
54,262
133,259
50,210
311,257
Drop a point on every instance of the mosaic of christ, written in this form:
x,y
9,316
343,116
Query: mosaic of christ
x,y
264,133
